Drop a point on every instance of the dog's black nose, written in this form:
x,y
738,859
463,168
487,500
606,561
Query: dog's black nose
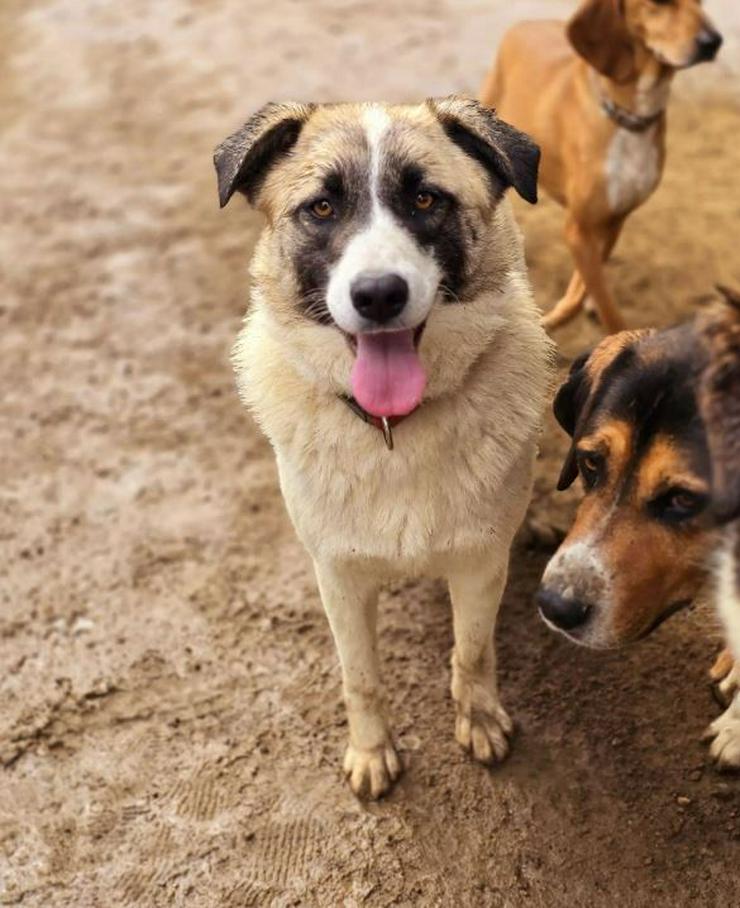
x,y
379,297
707,44
565,614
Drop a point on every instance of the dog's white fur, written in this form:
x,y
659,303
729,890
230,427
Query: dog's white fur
x,y
382,247
724,732
448,500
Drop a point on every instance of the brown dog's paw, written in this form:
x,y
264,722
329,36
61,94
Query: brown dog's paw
x,y
724,733
372,771
484,734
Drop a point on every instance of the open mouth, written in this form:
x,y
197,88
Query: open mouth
x,y
388,378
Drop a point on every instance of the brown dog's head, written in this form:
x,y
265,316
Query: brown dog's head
x,y
638,548
612,35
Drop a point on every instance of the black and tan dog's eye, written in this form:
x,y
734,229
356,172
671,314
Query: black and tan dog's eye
x,y
682,503
424,200
678,505
590,466
322,209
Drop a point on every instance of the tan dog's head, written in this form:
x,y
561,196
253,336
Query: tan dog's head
x,y
383,224
638,548
613,35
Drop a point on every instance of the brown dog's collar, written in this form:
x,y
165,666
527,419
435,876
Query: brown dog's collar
x,y
627,119
382,423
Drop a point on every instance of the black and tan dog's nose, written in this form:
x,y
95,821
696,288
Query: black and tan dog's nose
x,y
379,297
565,613
708,44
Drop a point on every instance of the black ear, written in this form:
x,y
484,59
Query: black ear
x,y
510,157
243,160
568,408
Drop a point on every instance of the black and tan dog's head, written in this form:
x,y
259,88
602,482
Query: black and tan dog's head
x,y
639,546
376,215
614,35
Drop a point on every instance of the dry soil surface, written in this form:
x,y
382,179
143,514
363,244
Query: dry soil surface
x,y
171,725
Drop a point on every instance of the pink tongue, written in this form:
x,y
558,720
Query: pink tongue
x,y
387,377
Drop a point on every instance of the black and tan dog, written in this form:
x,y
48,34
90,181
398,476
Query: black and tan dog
x,y
642,543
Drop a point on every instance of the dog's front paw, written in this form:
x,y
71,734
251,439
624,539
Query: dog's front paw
x,y
482,725
484,733
372,771
724,733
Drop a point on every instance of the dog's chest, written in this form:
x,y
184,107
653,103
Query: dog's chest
x,y
632,169
427,496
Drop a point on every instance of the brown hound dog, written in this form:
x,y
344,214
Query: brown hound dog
x,y
593,92
658,480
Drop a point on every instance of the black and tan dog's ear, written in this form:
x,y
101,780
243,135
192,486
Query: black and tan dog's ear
x,y
598,33
577,398
719,398
243,160
510,157
568,408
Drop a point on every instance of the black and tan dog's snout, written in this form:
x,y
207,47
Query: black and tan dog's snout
x,y
563,612
708,43
379,297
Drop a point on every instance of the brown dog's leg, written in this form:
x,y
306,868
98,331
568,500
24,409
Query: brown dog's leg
x,y
577,293
587,244
568,305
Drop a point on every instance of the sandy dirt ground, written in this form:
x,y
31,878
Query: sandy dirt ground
x,y
171,725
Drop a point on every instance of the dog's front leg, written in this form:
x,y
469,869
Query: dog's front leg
x,y
482,724
350,597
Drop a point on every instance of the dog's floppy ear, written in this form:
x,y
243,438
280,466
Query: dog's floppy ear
x,y
720,404
598,33
243,160
568,408
510,157
580,394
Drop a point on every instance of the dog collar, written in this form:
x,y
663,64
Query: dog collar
x,y
627,119
382,423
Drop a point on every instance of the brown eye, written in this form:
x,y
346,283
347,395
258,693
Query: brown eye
x,y
424,201
322,209
683,501
589,463
590,466
678,505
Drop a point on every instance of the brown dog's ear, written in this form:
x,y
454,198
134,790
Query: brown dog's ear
x,y
510,157
720,404
568,407
243,160
598,33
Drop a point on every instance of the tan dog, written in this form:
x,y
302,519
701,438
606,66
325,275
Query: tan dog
x,y
395,359
593,94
